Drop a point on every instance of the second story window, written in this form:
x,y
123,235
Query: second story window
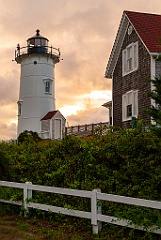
x,y
130,58
48,86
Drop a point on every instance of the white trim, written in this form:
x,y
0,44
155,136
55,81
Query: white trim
x,y
115,52
48,80
117,46
134,103
61,121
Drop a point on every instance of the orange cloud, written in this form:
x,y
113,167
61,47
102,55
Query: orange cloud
x,y
84,31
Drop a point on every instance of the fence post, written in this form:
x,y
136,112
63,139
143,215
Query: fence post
x,y
27,194
95,209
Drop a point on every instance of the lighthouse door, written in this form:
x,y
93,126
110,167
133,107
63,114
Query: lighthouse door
x,y
58,134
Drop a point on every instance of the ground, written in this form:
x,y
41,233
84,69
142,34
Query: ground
x,y
18,228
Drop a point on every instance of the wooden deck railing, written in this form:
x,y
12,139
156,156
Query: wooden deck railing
x,y
87,129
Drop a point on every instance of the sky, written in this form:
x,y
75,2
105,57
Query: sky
x,y
85,32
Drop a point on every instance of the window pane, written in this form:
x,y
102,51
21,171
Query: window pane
x,y
31,42
129,52
129,110
19,109
129,98
129,64
37,42
43,42
47,87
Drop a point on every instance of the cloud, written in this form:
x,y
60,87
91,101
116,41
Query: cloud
x,y
9,89
83,30
88,116
7,131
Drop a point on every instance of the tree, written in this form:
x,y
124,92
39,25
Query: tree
x,y
28,136
155,110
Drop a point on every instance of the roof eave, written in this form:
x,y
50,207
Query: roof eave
x,y
116,47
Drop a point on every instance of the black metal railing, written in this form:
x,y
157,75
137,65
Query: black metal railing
x,y
37,49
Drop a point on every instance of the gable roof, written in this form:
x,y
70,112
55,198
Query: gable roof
x,y
148,28
49,115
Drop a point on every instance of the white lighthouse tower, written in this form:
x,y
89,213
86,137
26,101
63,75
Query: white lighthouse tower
x,y
37,88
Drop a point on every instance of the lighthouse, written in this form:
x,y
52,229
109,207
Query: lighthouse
x,y
36,104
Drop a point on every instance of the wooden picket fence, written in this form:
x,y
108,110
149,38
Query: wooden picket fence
x,y
95,196
88,129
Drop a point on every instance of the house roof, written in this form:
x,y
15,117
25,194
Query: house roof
x,y
107,104
49,115
148,28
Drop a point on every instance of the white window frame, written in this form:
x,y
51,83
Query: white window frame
x,y
49,82
130,62
130,98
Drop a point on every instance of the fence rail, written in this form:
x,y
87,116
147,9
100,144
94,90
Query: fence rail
x,y
95,215
87,129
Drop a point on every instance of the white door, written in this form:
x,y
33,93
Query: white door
x,y
57,127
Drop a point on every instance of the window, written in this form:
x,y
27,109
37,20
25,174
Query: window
x,y
19,107
129,110
129,105
48,86
130,58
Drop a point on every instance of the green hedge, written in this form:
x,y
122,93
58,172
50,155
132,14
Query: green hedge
x,y
125,163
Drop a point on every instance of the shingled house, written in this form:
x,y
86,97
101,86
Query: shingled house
x,y
132,61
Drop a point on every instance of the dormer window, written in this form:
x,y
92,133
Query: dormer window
x,y
130,59
48,86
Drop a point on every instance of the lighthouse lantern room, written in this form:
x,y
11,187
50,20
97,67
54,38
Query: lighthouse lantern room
x,y
37,83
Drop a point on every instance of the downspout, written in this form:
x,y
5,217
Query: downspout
x,y
51,129
153,74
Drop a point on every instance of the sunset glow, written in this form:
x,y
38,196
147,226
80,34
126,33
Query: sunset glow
x,y
85,32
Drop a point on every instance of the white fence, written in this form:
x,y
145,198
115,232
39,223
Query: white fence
x,y
95,215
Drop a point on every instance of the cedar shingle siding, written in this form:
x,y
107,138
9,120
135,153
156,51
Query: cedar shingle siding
x,y
136,80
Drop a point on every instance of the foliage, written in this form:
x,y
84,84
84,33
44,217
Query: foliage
x,y
155,94
28,136
6,163
125,163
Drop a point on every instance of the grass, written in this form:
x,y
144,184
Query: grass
x,y
19,228
56,227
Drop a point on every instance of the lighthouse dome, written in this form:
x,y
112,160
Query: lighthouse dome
x,y
37,43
